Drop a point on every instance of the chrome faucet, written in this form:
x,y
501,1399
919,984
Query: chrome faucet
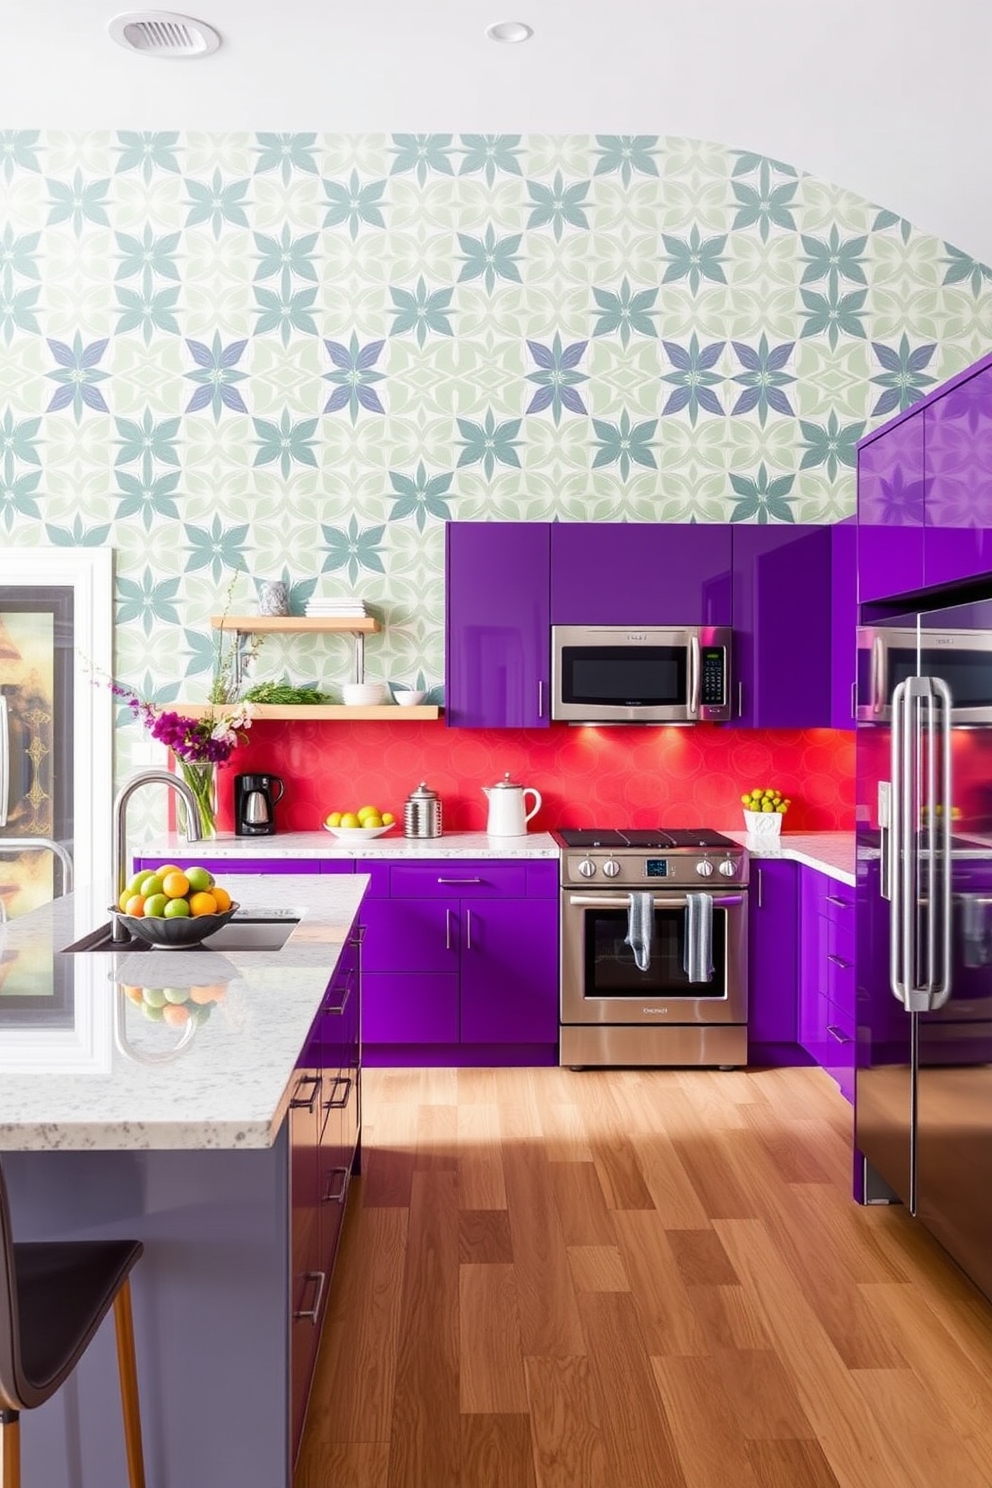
x,y
194,827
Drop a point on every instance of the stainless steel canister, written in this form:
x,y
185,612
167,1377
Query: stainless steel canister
x,y
422,813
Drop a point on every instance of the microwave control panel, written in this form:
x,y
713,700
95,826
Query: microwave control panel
x,y
713,690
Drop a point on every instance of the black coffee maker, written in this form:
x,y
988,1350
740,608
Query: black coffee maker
x,y
255,797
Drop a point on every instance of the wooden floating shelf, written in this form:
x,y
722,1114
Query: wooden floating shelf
x,y
290,624
327,712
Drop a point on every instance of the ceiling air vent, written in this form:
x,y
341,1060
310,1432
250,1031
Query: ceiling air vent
x,y
162,33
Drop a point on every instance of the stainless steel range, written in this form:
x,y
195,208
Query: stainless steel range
x,y
653,948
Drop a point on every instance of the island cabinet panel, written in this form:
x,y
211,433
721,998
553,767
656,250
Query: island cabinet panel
x,y
782,626
308,1277
773,952
826,982
461,961
891,485
957,438
498,643
633,573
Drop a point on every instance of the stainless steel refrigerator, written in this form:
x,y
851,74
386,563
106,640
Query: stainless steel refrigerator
x,y
923,1105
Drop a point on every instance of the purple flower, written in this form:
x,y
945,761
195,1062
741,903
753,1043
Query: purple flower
x,y
211,739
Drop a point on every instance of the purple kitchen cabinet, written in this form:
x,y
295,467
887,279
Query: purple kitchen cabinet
x,y
630,573
958,510
891,486
220,867
410,934
498,640
409,1007
826,975
782,626
509,967
773,961
843,623
410,963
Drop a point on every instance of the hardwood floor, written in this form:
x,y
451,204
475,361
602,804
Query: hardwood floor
x,y
636,1279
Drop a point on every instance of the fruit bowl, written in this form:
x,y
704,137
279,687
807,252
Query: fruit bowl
x,y
357,834
175,932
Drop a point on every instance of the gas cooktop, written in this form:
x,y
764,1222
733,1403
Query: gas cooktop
x,y
671,839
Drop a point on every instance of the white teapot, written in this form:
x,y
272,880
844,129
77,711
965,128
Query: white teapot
x,y
507,816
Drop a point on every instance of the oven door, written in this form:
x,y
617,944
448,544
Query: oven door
x,y
600,981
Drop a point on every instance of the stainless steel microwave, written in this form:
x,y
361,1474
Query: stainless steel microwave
x,y
891,654
640,674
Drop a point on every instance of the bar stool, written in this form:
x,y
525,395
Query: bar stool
x,y
53,1297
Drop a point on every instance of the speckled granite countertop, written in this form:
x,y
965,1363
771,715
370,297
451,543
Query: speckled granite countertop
x,y
323,844
85,1068
831,853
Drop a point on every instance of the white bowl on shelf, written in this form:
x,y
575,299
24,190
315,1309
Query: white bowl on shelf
x,y
409,697
363,694
357,834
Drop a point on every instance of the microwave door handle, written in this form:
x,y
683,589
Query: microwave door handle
x,y
876,683
4,760
695,668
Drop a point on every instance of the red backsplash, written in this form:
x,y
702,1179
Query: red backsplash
x,y
638,777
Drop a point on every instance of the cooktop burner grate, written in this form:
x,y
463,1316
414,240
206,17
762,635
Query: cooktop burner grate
x,y
661,838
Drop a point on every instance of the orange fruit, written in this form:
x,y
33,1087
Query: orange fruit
x,y
221,897
176,885
134,993
122,901
202,904
176,1014
135,906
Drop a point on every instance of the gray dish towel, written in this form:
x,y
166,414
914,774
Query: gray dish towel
x,y
640,923
697,960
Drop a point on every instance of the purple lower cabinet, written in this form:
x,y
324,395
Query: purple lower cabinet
x,y
773,963
826,976
409,1007
632,573
891,487
410,935
782,626
498,639
509,966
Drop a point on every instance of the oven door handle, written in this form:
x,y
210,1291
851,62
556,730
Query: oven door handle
x,y
665,901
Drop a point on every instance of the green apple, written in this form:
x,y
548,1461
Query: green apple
x,y
151,883
199,879
176,994
154,997
155,906
176,909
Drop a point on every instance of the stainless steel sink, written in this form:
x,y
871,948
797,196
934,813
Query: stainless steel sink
x,y
247,933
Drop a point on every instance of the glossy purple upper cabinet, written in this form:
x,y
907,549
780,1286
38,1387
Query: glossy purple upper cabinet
x,y
498,652
632,573
891,485
958,451
843,623
782,628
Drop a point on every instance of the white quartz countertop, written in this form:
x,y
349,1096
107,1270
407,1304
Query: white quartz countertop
x,y
323,844
82,1067
831,853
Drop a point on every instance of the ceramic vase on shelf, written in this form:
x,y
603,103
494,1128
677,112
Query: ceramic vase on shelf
x,y
763,826
201,777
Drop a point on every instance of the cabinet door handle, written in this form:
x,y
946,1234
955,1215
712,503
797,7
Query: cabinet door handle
x,y
459,880
854,699
757,874
740,700
540,699
840,903
468,929
330,1196
310,1314
358,935
338,1007
839,961
447,929
335,1102
301,1102
838,1034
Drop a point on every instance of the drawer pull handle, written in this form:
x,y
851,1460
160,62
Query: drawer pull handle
x,y
303,1103
468,929
459,880
447,929
838,1034
310,1314
335,1102
840,903
839,961
358,935
329,1196
338,1007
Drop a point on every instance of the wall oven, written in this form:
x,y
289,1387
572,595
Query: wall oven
x,y
613,1012
888,655
620,674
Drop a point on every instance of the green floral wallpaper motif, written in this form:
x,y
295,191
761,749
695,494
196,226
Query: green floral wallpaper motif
x,y
297,355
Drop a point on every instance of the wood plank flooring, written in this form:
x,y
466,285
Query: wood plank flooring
x,y
636,1279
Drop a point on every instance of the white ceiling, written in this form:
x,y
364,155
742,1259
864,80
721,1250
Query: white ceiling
x,y
885,97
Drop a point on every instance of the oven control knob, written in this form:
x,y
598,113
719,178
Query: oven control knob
x,y
611,868
587,867
705,868
728,867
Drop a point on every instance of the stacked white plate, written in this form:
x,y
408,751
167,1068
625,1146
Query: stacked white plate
x,y
363,694
345,609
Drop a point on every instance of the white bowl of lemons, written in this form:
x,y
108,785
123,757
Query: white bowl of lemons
x,y
359,826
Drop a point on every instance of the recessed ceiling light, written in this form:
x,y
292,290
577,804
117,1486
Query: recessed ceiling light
x,y
163,33
509,31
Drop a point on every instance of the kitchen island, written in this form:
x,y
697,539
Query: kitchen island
x,y
184,1134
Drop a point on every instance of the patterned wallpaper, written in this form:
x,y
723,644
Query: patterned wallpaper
x,y
297,355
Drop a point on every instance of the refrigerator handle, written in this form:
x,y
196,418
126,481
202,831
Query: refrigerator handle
x,y
897,852
4,760
940,990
